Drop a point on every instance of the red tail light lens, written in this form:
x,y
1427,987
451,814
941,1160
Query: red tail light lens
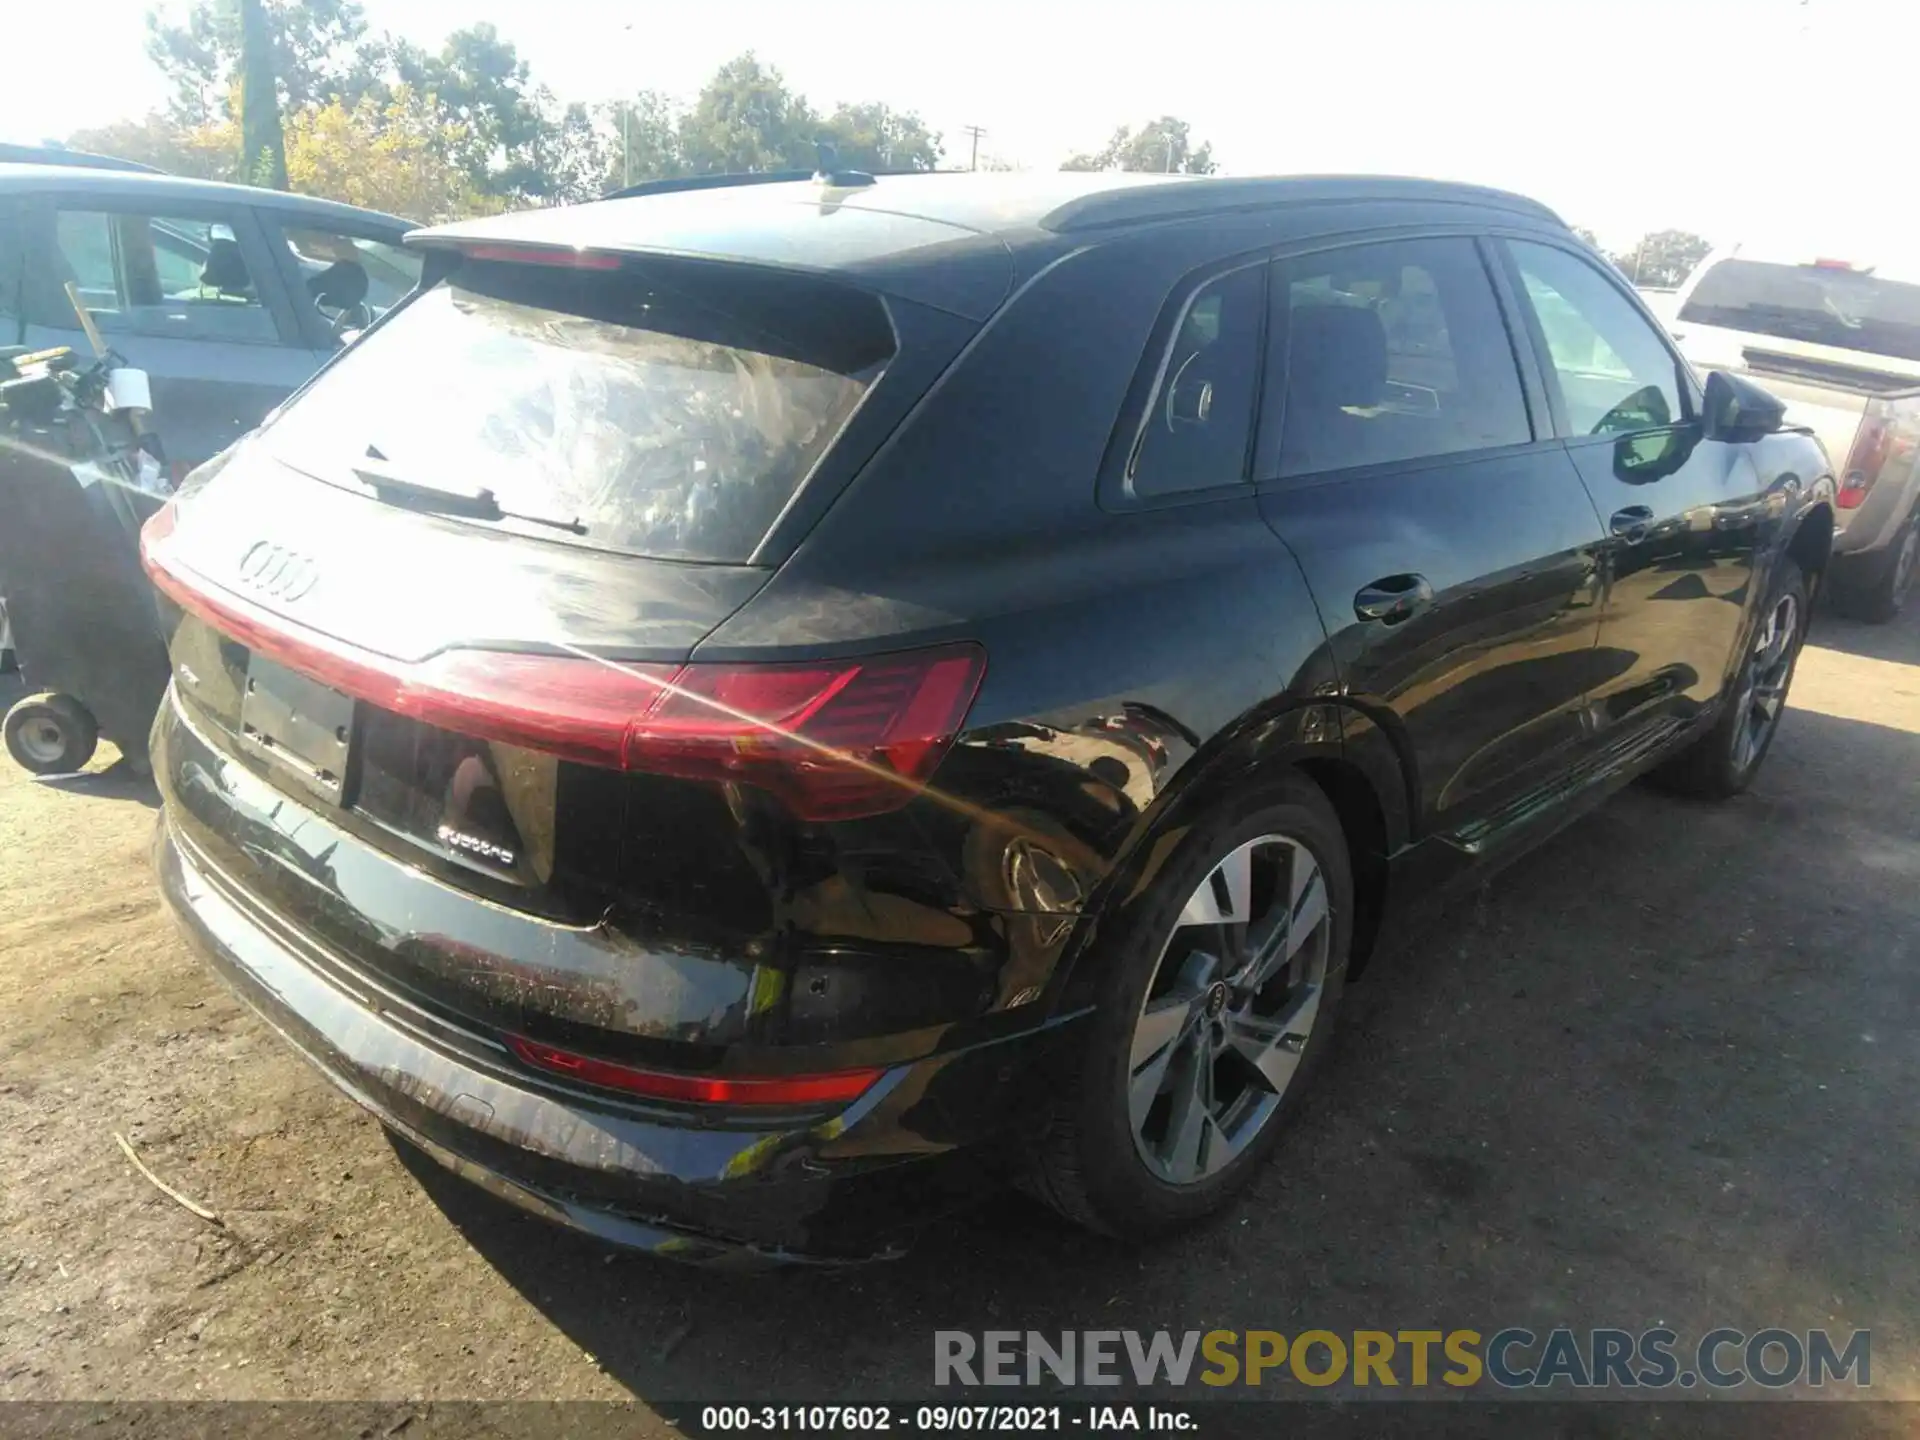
x,y
558,256
838,1087
1871,446
835,739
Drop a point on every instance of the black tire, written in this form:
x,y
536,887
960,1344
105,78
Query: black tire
x,y
1876,588
1722,762
1084,1161
51,734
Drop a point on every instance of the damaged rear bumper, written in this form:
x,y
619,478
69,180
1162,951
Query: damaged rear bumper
x,y
727,1190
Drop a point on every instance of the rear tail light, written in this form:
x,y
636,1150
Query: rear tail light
x,y
837,1087
835,740
1887,434
563,257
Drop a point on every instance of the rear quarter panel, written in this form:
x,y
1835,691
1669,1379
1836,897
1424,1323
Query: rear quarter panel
x,y
1119,645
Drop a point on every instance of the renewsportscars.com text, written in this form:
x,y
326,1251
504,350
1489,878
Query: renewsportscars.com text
x,y
1512,1359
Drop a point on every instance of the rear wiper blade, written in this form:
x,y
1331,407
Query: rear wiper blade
x,y
475,502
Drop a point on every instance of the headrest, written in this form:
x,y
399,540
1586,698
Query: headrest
x,y
225,270
1337,357
340,286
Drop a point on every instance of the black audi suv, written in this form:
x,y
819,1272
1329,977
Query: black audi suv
x,y
737,716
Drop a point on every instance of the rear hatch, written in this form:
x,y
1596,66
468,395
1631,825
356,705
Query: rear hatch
x,y
431,604
1838,344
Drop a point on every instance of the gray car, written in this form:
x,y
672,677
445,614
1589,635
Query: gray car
x,y
228,297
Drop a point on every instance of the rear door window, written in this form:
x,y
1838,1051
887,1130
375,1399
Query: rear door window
x,y
183,277
345,281
13,270
1387,352
667,409
1613,371
1197,428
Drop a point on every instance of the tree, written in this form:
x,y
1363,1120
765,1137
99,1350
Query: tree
x,y
645,143
482,83
315,45
1663,258
874,136
263,150
393,155
1162,145
206,152
747,119
1587,235
567,159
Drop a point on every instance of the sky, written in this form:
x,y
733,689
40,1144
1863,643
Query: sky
x,y
1727,117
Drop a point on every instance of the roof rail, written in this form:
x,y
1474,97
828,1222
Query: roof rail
x,y
1185,197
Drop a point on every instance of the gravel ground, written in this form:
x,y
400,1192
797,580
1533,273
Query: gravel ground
x,y
1659,1071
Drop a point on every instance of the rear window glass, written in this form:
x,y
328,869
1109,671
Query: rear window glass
x,y
1848,309
671,410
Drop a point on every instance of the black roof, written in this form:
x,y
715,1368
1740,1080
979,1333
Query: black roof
x,y
965,225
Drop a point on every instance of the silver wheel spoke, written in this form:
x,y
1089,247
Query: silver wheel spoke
x,y
1155,1041
1272,1045
1293,926
1226,896
1190,1128
1309,905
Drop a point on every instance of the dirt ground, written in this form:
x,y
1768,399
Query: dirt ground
x,y
1662,1070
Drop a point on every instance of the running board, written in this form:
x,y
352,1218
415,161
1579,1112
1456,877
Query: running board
x,y
1551,801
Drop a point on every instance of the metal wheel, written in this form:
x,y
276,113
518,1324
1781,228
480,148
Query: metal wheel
x,y
1229,1010
1770,667
42,739
50,734
1905,563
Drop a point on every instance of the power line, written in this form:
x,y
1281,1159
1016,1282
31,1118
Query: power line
x,y
976,131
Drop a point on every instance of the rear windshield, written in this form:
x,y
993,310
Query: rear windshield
x,y
670,409
1825,306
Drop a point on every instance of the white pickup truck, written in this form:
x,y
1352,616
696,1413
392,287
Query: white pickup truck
x,y
1839,342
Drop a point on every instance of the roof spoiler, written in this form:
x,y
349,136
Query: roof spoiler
x,y
828,172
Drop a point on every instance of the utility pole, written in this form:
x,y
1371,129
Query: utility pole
x,y
976,131
626,127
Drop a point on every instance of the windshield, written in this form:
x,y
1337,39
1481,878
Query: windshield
x,y
1848,309
671,412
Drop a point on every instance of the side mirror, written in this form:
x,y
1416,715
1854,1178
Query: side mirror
x,y
1738,410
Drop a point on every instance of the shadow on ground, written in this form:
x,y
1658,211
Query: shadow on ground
x,y
1643,1077
1898,640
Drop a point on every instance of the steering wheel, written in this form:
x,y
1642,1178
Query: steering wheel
x,y
1190,395
348,317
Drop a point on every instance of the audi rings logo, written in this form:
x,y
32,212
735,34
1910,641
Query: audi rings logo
x,y
277,571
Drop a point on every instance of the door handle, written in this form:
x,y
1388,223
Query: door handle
x,y
1633,523
1393,599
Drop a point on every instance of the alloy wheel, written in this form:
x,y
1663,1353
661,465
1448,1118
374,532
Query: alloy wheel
x,y
1231,1006
1769,669
43,741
